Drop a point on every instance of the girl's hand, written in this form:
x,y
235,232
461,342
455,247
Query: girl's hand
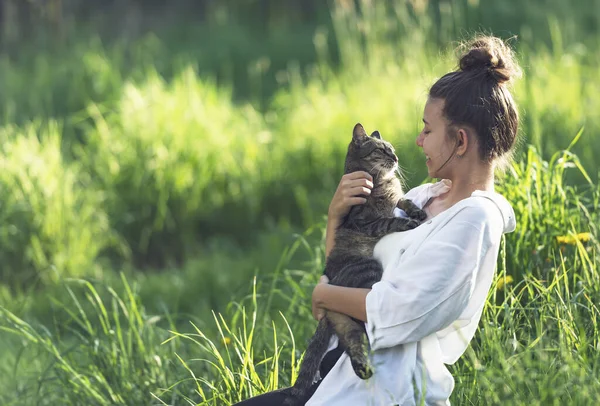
x,y
318,312
350,192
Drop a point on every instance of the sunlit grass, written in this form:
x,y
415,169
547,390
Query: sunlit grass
x,y
537,344
53,223
176,161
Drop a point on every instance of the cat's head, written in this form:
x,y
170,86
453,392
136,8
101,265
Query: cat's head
x,y
370,153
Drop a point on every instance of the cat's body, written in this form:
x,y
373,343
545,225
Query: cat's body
x,y
351,261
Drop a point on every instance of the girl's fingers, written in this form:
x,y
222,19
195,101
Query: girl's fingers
x,y
358,175
350,192
346,183
358,190
361,182
350,184
356,200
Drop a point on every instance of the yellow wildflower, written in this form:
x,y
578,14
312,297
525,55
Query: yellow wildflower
x,y
572,239
504,281
227,340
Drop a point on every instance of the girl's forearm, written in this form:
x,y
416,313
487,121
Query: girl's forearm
x,y
349,301
332,225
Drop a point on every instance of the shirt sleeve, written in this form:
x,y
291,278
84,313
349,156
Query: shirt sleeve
x,y
428,291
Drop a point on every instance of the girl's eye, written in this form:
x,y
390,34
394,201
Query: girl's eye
x,y
426,132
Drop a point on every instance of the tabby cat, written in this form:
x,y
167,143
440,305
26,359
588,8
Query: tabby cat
x,y
351,261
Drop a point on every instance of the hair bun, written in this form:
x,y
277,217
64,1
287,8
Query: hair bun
x,y
490,55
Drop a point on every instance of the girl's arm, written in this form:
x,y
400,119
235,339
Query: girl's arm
x,y
332,225
348,193
349,301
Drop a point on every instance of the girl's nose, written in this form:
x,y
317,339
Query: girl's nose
x,y
419,140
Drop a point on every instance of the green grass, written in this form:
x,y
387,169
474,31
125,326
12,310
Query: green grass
x,y
178,162
538,342
173,160
52,218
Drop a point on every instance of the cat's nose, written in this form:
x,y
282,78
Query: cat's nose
x,y
395,159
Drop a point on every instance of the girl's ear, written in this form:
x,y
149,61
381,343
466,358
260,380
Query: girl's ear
x,y
462,141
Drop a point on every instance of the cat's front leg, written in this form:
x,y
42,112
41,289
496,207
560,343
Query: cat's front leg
x,y
411,209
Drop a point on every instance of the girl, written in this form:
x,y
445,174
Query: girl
x,y
425,310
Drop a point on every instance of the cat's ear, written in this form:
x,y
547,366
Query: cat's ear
x,y
376,135
359,134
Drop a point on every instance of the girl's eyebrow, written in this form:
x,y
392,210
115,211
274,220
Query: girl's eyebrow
x,y
425,121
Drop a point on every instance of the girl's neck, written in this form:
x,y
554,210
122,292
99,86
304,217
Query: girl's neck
x,y
481,178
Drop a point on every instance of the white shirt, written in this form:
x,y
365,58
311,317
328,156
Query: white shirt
x,y
425,310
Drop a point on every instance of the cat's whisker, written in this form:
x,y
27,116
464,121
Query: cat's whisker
x,y
400,167
400,172
376,169
401,179
380,168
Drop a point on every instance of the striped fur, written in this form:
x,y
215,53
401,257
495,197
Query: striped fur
x,y
351,261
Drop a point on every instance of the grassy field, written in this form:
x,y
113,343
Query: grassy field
x,y
162,229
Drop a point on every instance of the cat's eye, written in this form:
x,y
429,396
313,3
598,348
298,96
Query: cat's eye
x,y
389,152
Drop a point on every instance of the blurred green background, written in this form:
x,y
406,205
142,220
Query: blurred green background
x,y
186,144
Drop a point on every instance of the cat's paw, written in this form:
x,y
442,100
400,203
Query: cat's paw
x,y
412,210
412,223
417,214
362,369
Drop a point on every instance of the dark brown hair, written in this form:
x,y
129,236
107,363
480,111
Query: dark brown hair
x,y
476,95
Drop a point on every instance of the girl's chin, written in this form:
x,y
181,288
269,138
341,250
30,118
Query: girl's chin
x,y
430,171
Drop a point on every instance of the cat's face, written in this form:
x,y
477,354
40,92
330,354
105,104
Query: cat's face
x,y
371,153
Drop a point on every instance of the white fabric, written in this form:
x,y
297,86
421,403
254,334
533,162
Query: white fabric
x,y
425,310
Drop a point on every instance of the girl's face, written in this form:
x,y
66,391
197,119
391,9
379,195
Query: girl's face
x,y
437,147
